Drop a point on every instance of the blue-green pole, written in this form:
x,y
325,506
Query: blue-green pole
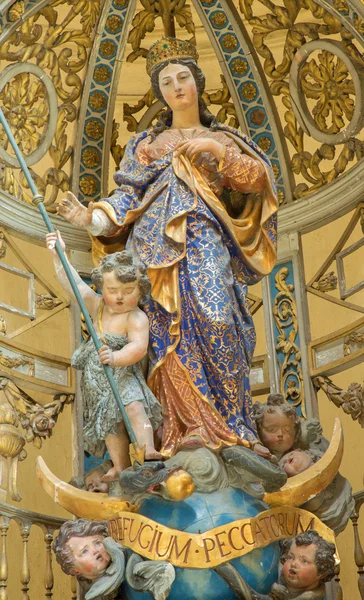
x,y
38,201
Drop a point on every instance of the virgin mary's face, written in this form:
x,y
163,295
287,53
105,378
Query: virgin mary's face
x,y
178,87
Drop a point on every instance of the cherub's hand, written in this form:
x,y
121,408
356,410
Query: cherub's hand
x,y
262,451
197,145
106,356
51,239
73,211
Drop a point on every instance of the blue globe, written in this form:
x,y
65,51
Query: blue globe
x,y
202,512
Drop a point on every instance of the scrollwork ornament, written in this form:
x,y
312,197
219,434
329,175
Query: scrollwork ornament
x,y
59,47
285,317
27,107
331,88
302,21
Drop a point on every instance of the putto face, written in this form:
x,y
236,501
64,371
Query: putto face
x,y
277,432
90,556
120,297
299,570
178,87
295,462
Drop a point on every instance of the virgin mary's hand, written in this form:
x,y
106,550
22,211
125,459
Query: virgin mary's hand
x,y
197,145
74,212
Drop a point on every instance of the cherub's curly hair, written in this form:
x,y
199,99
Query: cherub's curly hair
x,y
126,269
275,403
324,556
70,529
207,119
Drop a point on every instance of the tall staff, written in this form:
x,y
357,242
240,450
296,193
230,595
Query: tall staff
x,y
136,453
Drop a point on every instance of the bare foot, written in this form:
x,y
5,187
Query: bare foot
x,y
152,454
112,474
73,211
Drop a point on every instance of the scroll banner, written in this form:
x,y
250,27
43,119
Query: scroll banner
x,y
216,546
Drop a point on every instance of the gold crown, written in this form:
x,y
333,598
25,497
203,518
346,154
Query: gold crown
x,y
168,49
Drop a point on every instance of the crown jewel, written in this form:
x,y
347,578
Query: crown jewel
x,y
168,49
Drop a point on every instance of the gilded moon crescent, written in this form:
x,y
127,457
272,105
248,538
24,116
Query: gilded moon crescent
x,y
82,504
295,492
316,478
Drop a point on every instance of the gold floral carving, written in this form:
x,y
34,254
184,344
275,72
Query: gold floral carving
x,y
354,339
248,91
117,151
285,317
97,101
145,102
36,420
58,41
168,11
23,420
264,143
94,129
113,23
46,301
326,283
324,80
2,325
229,42
222,98
2,245
219,19
14,362
327,81
88,185
16,11
239,66
107,48
351,400
101,74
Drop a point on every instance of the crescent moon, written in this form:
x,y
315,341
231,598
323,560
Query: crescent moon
x,y
88,505
316,478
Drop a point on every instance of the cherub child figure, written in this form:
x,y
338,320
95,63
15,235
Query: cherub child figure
x,y
100,564
277,423
79,549
308,562
124,329
297,461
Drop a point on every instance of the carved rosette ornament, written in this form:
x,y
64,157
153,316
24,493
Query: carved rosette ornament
x,y
334,80
18,410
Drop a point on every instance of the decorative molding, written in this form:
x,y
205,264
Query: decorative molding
x,y
337,351
92,148
49,373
